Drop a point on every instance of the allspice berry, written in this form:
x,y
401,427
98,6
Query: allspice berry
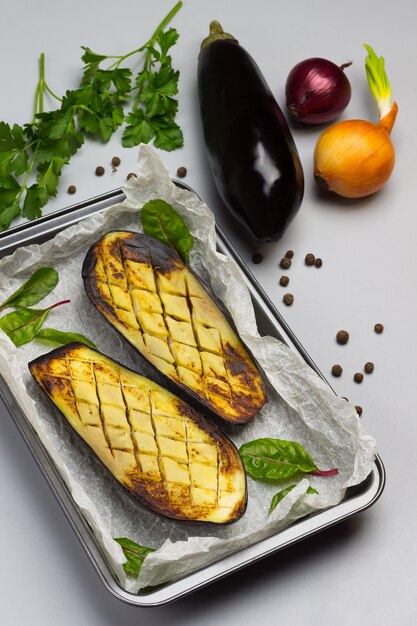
x,y
358,409
182,172
337,370
72,189
284,280
115,161
257,258
358,377
369,367
342,337
285,263
288,299
309,259
318,262
99,170
131,175
289,254
378,328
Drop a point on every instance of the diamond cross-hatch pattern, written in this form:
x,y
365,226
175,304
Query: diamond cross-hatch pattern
x,y
144,435
170,319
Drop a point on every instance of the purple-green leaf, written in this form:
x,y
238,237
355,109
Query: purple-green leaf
x,y
135,555
42,282
22,325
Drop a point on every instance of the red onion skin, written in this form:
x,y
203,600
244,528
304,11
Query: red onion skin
x,y
317,91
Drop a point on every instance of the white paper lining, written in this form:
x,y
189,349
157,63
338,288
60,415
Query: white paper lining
x,y
301,406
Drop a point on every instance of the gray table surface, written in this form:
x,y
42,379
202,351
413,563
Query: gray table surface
x,y
362,571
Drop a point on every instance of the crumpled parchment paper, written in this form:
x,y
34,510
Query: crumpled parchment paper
x,y
301,406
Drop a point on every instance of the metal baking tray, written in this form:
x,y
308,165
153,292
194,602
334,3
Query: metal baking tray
x,y
270,322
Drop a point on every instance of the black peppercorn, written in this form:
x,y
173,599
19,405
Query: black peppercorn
x,y
283,281
337,370
99,170
309,259
257,258
358,377
288,299
369,367
342,337
285,263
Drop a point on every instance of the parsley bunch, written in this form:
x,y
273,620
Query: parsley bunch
x,y
32,156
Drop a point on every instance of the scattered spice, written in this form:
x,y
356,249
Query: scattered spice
x,y
318,262
358,377
288,299
284,280
285,263
257,258
369,367
342,337
309,259
115,161
358,409
131,175
72,189
99,170
378,328
337,370
182,172
289,254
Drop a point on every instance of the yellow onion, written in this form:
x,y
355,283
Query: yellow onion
x,y
355,158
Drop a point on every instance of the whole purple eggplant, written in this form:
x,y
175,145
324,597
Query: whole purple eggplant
x,y
252,154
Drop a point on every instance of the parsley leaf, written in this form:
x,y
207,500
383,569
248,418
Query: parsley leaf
x,y
33,155
36,197
168,136
138,129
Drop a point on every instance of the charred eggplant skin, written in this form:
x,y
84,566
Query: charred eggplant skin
x,y
252,154
164,453
234,393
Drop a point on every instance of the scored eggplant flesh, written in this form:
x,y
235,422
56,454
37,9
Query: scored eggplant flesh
x,y
148,294
172,459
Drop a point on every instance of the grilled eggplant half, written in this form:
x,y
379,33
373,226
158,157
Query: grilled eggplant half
x,y
143,288
160,449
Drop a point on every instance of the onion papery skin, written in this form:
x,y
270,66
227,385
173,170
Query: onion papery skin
x,y
317,91
354,158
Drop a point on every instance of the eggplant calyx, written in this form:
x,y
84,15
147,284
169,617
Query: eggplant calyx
x,y
216,33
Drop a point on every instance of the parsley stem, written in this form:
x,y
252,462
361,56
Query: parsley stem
x,y
41,87
41,80
167,19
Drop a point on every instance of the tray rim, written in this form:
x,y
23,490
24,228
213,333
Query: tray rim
x,y
366,496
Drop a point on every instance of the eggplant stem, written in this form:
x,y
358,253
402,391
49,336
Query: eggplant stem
x,y
216,33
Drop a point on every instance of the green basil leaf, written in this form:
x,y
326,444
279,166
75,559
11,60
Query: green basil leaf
x,y
161,221
135,555
275,459
21,326
61,337
284,492
42,282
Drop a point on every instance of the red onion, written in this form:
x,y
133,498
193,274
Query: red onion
x,y
317,91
